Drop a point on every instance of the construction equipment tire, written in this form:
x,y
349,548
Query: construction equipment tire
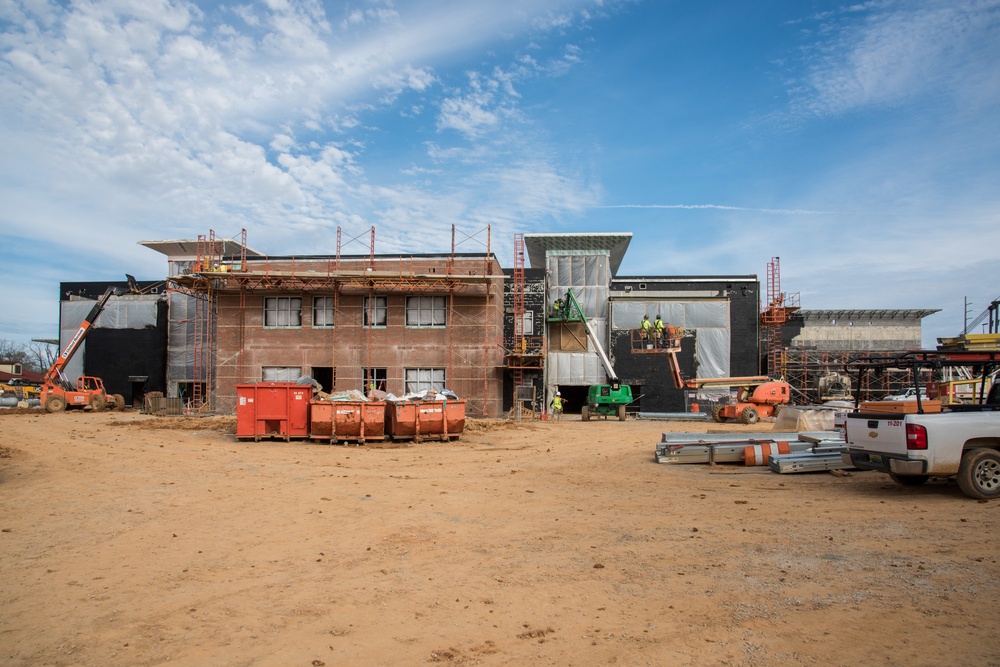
x,y
55,404
716,414
119,402
98,403
749,415
585,413
621,413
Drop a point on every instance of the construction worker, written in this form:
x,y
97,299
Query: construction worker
x,y
645,328
557,308
658,331
557,405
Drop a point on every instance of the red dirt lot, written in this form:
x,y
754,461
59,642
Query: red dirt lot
x,y
129,539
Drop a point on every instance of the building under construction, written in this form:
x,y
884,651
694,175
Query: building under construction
x,y
228,314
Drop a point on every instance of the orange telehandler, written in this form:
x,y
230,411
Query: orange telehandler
x,y
756,396
58,394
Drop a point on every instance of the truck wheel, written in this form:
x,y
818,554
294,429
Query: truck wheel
x,y
119,402
55,404
749,415
621,413
909,480
715,414
98,403
585,413
979,473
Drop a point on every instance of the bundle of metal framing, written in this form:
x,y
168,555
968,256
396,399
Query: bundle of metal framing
x,y
730,447
822,455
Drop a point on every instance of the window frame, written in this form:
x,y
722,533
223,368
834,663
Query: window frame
x,y
264,372
383,309
278,311
426,307
378,374
418,384
329,308
528,323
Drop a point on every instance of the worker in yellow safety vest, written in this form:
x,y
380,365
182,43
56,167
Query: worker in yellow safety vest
x,y
645,328
658,331
557,405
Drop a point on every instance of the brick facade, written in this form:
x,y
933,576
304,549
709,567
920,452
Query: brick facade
x,y
467,347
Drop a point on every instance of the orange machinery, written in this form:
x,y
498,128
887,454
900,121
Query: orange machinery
x,y
58,394
756,396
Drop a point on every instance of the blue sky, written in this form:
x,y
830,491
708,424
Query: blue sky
x,y
858,141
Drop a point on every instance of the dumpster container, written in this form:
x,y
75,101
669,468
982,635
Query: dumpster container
x,y
424,420
347,421
272,410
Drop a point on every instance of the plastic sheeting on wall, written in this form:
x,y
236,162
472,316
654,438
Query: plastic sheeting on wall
x,y
574,368
688,314
180,338
589,275
128,312
710,318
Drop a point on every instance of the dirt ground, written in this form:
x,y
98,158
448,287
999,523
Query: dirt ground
x,y
136,540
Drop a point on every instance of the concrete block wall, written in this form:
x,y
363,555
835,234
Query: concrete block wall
x,y
649,374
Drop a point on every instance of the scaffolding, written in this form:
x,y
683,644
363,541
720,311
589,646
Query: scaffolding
x,y
212,275
773,316
803,369
522,353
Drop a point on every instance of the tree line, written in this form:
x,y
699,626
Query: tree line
x,y
34,356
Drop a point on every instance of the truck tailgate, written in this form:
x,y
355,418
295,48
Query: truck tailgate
x,y
880,433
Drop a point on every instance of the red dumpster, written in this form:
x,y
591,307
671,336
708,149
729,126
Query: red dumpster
x,y
354,421
272,410
423,420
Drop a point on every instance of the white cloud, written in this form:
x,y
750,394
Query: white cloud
x,y
125,120
897,52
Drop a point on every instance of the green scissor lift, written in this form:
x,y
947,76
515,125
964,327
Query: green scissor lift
x,y
604,400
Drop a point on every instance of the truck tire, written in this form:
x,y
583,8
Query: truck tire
x,y
55,404
98,403
715,414
749,415
979,473
119,402
909,480
585,413
621,413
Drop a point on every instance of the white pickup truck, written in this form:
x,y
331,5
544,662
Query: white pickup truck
x,y
962,441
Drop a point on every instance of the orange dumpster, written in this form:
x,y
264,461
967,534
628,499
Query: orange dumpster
x,y
340,421
423,420
272,410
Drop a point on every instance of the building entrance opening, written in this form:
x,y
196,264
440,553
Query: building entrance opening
x,y
324,376
138,393
574,397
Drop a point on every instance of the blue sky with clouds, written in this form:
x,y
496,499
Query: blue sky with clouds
x,y
858,141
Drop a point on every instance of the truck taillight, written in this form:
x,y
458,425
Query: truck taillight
x,y
916,436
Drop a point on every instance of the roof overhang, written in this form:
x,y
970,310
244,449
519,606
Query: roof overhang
x,y
538,245
188,248
873,314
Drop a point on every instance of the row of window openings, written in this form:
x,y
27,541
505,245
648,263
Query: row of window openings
x,y
414,379
421,311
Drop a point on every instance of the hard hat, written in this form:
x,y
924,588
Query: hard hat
x,y
657,317
645,317
558,394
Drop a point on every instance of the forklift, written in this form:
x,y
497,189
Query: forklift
x,y
57,392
